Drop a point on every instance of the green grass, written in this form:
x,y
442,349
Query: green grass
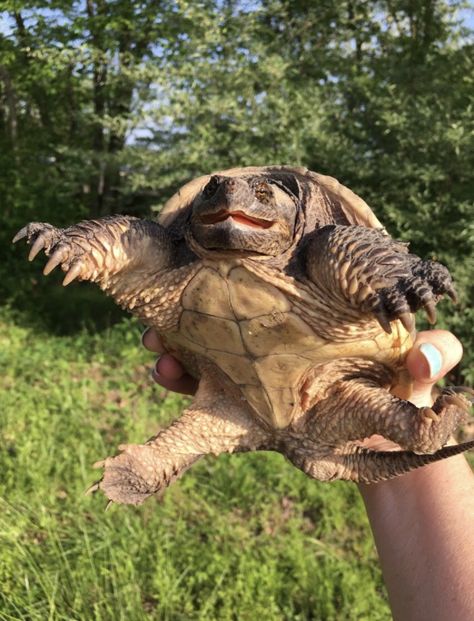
x,y
237,538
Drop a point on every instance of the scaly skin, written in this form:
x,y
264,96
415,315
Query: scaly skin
x,y
214,423
132,260
319,444
376,274
99,250
138,264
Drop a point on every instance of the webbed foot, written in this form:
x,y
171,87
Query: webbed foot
x,y
134,475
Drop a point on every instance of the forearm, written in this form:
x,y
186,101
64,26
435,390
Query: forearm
x,y
423,529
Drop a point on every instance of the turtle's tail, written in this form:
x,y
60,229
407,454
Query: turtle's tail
x,y
369,466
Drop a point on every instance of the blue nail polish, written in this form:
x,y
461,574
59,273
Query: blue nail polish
x,y
433,357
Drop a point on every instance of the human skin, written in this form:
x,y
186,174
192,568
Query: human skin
x,y
423,521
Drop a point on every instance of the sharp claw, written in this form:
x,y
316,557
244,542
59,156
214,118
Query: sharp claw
x,y
93,488
384,322
36,247
457,401
462,389
22,233
451,293
54,261
73,273
108,505
430,414
407,321
430,309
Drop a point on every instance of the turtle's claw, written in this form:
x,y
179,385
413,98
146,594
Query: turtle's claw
x,y
73,272
451,292
384,321
462,396
430,309
407,320
56,259
92,489
60,245
455,396
41,235
108,505
38,245
22,233
429,414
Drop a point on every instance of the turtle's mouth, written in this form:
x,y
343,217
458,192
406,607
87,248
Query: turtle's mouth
x,y
238,216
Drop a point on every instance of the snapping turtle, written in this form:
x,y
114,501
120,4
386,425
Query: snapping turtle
x,y
280,290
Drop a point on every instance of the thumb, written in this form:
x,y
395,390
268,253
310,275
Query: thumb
x,y
434,353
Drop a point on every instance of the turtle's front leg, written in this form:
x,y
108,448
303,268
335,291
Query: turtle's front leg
x,y
374,274
213,424
101,250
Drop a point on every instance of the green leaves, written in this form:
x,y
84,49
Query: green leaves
x,y
110,106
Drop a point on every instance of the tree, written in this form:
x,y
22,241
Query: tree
x,y
110,106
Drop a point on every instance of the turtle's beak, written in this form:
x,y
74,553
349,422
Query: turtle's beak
x,y
238,216
230,200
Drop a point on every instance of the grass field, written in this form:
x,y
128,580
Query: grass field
x,y
237,538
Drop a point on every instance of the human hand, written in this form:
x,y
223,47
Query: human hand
x,y
433,355
419,520
168,372
422,520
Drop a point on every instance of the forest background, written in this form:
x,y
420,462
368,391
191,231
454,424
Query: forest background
x,y
108,107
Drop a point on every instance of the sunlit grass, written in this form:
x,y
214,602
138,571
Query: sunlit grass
x,y
239,537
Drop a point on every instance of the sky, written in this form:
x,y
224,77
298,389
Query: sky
x,y
6,22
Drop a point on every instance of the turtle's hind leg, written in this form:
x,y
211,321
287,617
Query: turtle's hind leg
x,y
328,443
214,423
360,407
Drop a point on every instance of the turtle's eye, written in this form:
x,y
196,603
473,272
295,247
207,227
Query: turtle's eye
x,y
211,187
263,192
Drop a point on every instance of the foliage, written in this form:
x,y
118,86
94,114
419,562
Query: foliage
x,y
109,107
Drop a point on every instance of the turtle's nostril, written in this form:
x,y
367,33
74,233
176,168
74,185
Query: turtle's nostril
x,y
230,185
212,186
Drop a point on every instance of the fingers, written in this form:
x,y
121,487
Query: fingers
x,y
168,372
152,342
434,354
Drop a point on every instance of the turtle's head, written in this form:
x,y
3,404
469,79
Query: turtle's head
x,y
252,214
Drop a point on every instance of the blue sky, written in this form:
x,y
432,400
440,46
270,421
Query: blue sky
x,y
466,15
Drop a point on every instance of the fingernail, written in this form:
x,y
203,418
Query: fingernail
x,y
142,338
154,371
433,357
